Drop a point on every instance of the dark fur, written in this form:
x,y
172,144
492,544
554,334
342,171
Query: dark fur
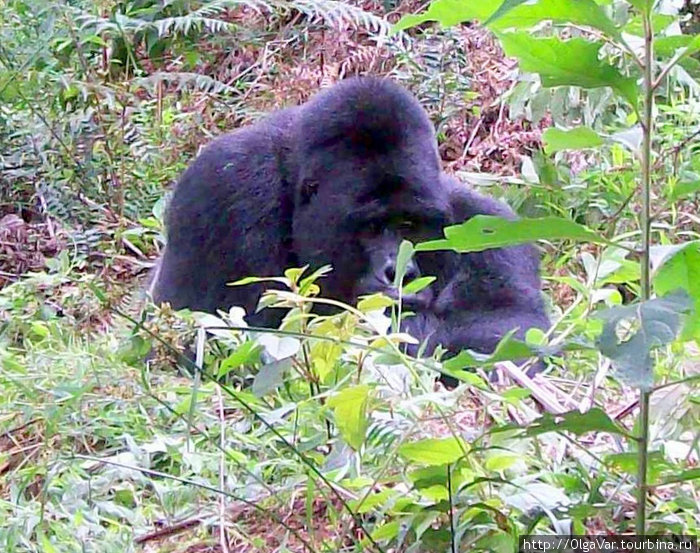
x,y
335,181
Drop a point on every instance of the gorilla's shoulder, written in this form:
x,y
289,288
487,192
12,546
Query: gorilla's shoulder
x,y
266,135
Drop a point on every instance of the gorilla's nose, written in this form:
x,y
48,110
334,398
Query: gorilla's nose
x,y
390,272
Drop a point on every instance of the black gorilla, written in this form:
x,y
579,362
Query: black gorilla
x,y
341,180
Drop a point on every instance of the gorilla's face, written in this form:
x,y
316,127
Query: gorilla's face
x,y
380,247
354,218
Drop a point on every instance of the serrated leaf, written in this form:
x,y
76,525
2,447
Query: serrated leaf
x,y
486,231
434,451
681,269
573,62
556,140
652,323
350,410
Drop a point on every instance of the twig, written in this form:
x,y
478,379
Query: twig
x,y
169,530
542,395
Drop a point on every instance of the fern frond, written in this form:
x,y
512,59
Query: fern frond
x,y
184,80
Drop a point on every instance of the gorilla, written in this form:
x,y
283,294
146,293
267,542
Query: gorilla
x,y
342,180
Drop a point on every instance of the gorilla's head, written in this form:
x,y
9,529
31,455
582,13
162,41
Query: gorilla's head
x,y
368,177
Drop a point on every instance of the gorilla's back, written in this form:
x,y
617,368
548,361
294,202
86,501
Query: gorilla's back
x,y
233,198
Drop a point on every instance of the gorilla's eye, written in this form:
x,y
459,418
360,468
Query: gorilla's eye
x,y
407,225
375,227
308,190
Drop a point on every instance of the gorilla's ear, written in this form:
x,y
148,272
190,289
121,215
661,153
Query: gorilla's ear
x,y
307,190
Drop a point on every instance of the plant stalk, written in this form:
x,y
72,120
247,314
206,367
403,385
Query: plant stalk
x,y
645,224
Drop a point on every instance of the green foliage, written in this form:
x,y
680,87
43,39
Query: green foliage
x,y
485,231
100,106
556,140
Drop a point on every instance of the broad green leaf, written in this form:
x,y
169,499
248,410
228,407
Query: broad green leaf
x,y
373,501
434,451
666,46
375,302
350,409
556,140
577,12
505,14
631,332
247,354
682,270
573,62
593,420
627,463
450,12
503,9
418,284
684,45
386,531
635,25
643,6
683,189
483,232
501,461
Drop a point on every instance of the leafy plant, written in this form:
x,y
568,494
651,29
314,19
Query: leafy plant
x,y
600,57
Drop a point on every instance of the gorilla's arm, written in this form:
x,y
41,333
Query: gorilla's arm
x,y
490,293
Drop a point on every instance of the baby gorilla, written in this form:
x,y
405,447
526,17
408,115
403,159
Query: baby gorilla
x,y
341,180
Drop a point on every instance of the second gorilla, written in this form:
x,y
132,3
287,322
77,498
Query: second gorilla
x,y
341,180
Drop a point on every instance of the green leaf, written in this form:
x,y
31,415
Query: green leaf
x,y
449,13
643,6
253,280
434,451
271,376
556,140
577,12
627,463
247,354
573,62
508,349
418,284
642,327
681,270
350,409
375,302
684,476
500,14
683,189
483,232
402,259
503,9
593,420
